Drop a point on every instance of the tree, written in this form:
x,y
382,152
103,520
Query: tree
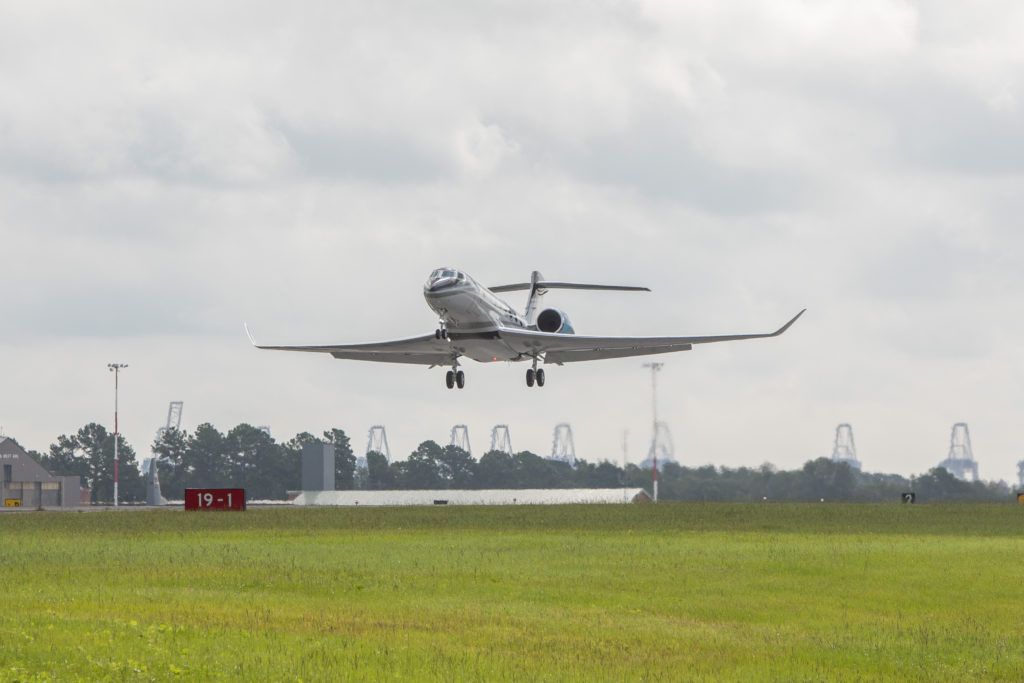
x,y
939,484
456,467
64,459
828,479
89,454
170,450
380,475
257,464
496,470
205,465
344,459
421,470
533,472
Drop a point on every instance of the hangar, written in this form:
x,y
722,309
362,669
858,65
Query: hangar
x,y
470,497
25,483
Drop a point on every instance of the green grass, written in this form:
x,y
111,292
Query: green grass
x,y
665,592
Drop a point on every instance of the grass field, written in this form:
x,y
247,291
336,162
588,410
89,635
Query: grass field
x,y
598,592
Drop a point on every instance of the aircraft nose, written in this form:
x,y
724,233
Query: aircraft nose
x,y
439,283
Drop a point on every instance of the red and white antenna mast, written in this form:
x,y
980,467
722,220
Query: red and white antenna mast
x,y
116,369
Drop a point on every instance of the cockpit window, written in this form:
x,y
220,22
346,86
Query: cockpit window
x,y
448,273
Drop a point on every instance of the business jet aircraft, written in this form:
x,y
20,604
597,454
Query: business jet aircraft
x,y
474,323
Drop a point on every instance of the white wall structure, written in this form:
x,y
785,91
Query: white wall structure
x,y
482,497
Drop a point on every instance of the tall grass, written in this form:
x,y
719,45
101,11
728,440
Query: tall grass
x,y
666,592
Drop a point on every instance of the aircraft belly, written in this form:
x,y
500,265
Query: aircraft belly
x,y
487,350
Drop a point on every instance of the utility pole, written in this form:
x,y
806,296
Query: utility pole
x,y
116,369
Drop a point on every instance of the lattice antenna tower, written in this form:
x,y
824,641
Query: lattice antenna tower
x,y
562,446
844,449
460,438
378,441
662,447
173,418
501,440
960,462
661,444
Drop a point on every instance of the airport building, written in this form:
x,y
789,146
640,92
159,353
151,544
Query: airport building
x,y
471,497
25,483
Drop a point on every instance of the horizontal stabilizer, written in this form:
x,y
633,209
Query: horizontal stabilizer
x,y
523,286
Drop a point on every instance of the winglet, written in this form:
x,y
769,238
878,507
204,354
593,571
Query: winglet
x,y
786,326
249,334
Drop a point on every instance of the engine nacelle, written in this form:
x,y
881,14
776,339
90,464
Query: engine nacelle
x,y
553,320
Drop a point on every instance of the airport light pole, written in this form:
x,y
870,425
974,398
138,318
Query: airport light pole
x,y
116,369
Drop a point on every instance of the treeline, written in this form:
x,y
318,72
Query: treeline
x,y
821,479
250,458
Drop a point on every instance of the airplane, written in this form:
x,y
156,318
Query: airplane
x,y
474,323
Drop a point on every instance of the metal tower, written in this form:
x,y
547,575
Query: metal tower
x,y
460,438
562,446
661,439
378,442
501,440
960,462
149,469
1020,473
173,418
844,449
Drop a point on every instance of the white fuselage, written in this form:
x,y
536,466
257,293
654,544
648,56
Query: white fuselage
x,y
466,306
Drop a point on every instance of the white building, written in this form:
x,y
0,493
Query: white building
x,y
482,497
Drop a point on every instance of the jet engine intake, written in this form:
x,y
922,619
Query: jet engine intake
x,y
553,320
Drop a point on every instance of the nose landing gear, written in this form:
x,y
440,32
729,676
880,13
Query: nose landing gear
x,y
442,330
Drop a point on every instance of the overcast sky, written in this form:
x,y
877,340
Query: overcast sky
x,y
170,170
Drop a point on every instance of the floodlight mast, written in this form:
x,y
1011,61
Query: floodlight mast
x,y
116,369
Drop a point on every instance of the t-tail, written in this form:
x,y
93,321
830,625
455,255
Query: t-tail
x,y
538,287
534,300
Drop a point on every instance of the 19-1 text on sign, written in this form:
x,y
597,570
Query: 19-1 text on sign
x,y
215,499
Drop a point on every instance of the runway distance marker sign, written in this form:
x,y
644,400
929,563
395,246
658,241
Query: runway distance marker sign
x,y
215,499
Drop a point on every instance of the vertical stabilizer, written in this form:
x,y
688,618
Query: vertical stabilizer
x,y
533,302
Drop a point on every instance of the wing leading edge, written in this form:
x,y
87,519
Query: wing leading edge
x,y
425,350
555,348
570,348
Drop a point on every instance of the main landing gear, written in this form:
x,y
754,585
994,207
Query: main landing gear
x,y
535,374
455,378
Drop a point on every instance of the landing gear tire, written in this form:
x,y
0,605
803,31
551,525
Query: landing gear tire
x,y
449,379
529,377
540,377
437,333
460,379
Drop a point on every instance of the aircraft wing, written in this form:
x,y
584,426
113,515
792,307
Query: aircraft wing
x,y
570,348
425,350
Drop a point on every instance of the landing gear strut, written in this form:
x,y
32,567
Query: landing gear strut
x,y
442,330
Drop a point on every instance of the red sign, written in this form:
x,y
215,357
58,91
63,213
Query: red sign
x,y
214,499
